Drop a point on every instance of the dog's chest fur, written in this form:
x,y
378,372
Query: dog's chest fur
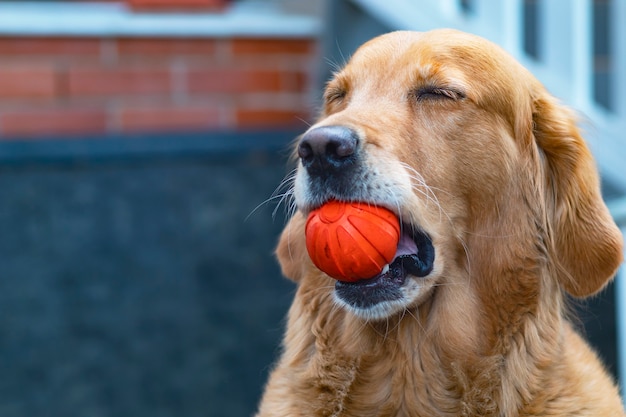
x,y
406,367
393,368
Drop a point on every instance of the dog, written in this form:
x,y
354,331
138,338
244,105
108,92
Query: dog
x,y
485,170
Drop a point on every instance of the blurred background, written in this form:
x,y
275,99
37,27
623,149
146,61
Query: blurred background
x,y
141,142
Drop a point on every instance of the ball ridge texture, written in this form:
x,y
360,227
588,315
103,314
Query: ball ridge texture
x,y
351,241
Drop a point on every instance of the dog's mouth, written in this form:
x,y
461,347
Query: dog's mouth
x,y
414,257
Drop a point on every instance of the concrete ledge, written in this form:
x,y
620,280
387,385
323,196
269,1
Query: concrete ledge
x,y
123,147
243,19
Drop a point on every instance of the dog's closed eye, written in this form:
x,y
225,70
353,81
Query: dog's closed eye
x,y
438,93
334,95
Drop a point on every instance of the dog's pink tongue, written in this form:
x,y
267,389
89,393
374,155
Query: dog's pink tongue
x,y
406,246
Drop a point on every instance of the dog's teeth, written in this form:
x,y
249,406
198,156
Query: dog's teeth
x,y
385,269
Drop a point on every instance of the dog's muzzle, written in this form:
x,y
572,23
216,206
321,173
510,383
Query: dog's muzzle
x,y
332,158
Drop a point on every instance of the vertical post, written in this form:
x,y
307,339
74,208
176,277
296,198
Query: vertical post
x,y
582,53
565,33
449,8
513,27
620,314
618,14
555,22
489,20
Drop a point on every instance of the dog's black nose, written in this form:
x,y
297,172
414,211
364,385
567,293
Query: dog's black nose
x,y
328,147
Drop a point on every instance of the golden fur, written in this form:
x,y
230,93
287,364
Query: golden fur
x,y
461,141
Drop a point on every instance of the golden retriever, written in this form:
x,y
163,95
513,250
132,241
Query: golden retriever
x,y
488,173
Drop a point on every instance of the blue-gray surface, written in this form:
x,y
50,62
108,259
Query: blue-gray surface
x,y
138,288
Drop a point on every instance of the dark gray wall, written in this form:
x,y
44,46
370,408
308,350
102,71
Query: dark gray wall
x,y
141,286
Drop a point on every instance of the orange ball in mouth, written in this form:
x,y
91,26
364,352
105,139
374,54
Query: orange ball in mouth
x,y
352,241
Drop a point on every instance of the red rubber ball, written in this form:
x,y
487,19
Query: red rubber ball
x,y
351,241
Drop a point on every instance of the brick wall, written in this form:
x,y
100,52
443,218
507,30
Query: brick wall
x,y
67,86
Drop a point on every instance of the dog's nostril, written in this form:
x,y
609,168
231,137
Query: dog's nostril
x,y
305,150
328,145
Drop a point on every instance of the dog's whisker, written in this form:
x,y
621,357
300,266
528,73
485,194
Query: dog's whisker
x,y
288,195
334,66
287,183
278,197
422,187
306,122
416,319
429,194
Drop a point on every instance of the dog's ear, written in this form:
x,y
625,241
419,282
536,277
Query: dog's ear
x,y
291,251
586,242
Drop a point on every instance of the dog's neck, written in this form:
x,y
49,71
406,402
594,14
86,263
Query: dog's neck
x,y
467,367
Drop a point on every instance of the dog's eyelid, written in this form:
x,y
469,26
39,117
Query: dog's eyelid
x,y
439,92
334,94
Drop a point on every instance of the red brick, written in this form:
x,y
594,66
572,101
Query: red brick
x,y
164,118
233,81
116,81
28,82
52,122
33,46
272,46
249,118
166,47
295,81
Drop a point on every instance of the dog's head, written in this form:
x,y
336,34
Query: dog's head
x,y
484,169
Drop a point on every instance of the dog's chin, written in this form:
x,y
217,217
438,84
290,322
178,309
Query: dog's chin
x,y
410,296
406,282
